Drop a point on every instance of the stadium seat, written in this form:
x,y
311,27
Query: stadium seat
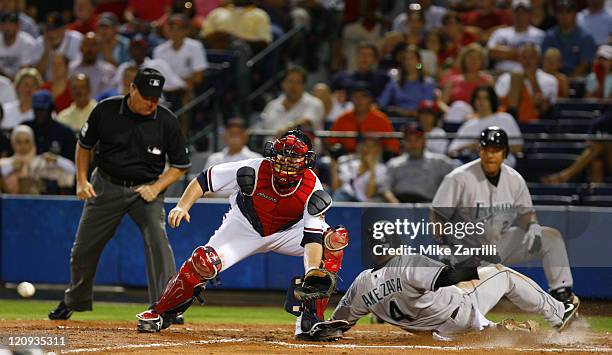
x,y
600,189
573,125
452,127
534,166
552,200
553,147
567,189
540,126
579,108
597,200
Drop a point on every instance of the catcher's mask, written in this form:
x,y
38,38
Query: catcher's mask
x,y
290,156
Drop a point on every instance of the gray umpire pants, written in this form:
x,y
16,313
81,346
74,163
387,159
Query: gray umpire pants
x,y
101,216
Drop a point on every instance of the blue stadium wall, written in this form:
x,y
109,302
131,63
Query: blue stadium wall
x,y
37,234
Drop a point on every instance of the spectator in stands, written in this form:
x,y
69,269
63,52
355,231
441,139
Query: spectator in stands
x,y
469,75
596,20
367,29
7,90
435,43
551,64
599,82
114,48
123,88
333,106
366,70
456,37
576,45
27,81
505,42
428,118
186,55
85,17
50,135
146,10
413,35
25,172
404,95
363,118
5,142
527,95
235,139
415,175
139,49
59,84
487,17
56,38
242,20
294,103
485,104
15,45
99,72
433,16
541,17
596,159
78,112
26,23
362,177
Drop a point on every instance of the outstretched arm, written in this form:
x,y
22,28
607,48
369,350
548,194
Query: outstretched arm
x,y
181,211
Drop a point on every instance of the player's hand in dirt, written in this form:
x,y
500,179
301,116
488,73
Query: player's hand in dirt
x,y
148,192
85,190
176,215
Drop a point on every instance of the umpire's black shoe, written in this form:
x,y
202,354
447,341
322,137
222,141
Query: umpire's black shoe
x,y
61,312
571,307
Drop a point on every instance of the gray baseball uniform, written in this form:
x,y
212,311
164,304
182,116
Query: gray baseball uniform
x,y
467,195
402,293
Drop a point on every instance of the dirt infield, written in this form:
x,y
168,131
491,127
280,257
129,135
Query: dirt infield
x,y
121,337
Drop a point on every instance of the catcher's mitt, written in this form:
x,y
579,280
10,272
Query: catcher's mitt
x,y
318,283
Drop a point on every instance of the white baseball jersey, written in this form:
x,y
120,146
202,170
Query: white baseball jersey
x,y
467,195
401,293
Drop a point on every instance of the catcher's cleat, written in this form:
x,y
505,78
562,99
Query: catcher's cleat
x,y
571,307
149,321
328,335
563,294
180,320
61,312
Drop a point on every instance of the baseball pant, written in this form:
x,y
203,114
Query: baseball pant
x,y
552,253
236,240
495,282
101,216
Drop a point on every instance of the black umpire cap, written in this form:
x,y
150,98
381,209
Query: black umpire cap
x,y
150,82
494,136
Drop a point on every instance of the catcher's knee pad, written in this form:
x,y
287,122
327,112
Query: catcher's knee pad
x,y
204,264
334,242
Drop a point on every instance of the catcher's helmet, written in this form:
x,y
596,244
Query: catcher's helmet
x,y
290,156
496,137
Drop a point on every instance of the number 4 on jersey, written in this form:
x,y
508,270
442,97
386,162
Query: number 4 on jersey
x,y
396,313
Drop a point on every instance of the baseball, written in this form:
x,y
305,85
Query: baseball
x,y
26,289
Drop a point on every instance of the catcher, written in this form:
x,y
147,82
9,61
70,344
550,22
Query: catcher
x,y
277,204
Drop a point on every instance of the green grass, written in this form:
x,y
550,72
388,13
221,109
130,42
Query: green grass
x,y
34,309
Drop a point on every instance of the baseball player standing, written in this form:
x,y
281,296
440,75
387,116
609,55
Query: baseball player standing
x,y
277,204
133,136
489,191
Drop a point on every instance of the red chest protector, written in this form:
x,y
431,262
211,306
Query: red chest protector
x,y
268,211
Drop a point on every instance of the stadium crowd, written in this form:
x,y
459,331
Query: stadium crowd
x,y
421,68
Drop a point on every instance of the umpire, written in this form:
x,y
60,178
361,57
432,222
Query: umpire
x,y
133,136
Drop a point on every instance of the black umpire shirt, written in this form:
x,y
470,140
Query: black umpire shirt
x,y
131,146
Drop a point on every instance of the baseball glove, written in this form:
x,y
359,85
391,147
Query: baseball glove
x,y
318,283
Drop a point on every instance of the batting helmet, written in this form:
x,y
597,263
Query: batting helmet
x,y
494,136
290,155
